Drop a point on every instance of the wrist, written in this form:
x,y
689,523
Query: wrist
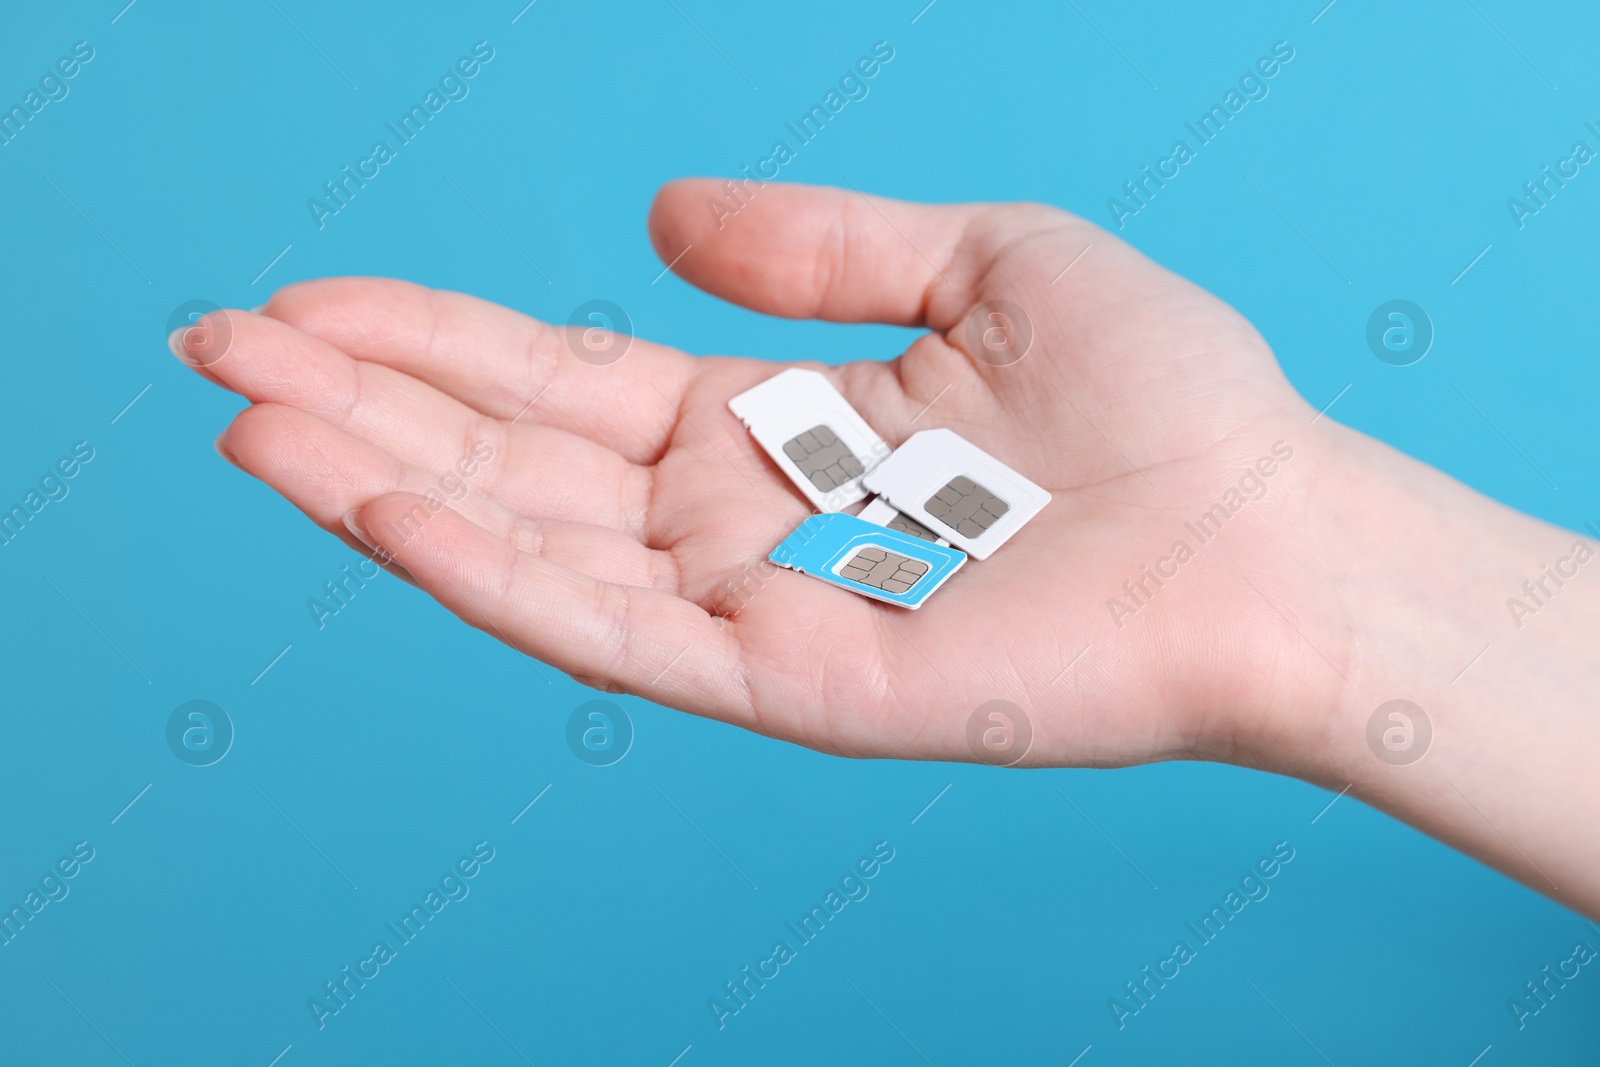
x,y
1482,621
1398,566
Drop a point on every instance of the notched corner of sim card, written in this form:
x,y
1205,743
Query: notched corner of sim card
x,y
791,552
812,433
870,560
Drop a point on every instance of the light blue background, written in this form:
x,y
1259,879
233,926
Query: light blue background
x,y
396,737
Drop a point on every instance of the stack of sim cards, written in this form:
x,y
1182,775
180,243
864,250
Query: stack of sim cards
x,y
939,498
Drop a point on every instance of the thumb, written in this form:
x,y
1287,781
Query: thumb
x,y
838,254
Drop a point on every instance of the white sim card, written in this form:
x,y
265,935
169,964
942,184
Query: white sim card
x,y
957,490
813,434
880,512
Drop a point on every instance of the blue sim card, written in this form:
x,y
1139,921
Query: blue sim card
x,y
865,558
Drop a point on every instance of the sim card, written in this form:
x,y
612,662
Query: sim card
x,y
873,561
957,490
813,434
880,512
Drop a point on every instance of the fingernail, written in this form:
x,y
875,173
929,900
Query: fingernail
x,y
223,450
352,522
258,309
175,343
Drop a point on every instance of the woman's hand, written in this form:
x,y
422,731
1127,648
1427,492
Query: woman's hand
x,y
1220,574
619,529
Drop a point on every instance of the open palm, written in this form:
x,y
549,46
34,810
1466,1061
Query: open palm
x,y
618,525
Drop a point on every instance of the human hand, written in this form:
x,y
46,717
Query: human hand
x,y
619,530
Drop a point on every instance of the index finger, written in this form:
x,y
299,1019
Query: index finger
x,y
499,361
